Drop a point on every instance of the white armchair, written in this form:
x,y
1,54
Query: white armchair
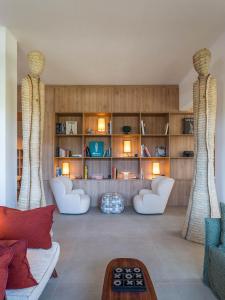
x,y
69,200
154,201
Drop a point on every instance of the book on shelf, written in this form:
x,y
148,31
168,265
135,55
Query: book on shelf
x,y
87,152
76,155
144,151
114,173
107,152
142,127
166,129
110,127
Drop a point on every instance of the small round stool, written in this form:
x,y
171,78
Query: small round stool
x,y
112,203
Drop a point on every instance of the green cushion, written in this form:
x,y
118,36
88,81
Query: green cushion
x,y
222,237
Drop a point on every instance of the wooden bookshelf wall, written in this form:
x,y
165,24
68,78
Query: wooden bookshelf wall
x,y
173,164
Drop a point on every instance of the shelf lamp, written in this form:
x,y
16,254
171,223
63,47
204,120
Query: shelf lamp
x,y
127,147
65,169
101,124
155,169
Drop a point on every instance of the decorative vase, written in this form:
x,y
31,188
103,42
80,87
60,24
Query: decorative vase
x,y
203,201
32,191
126,129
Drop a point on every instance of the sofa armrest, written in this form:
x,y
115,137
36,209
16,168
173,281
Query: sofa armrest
x,y
212,239
78,191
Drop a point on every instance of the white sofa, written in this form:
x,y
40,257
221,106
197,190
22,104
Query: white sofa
x,y
42,264
69,200
154,201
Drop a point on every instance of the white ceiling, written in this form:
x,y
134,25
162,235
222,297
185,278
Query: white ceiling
x,y
113,42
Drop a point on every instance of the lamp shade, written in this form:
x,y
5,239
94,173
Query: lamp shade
x,y
65,169
156,168
126,146
101,124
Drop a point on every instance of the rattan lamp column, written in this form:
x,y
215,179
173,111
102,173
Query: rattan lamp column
x,y
32,191
203,199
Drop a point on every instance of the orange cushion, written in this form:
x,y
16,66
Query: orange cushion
x,y
19,276
32,225
5,259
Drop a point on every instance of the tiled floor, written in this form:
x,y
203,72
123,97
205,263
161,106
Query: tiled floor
x,y
88,242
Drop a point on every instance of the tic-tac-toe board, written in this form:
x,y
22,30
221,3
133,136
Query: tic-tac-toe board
x,y
128,279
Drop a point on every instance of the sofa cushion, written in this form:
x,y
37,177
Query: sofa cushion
x,y
19,270
222,206
32,225
42,263
217,271
6,256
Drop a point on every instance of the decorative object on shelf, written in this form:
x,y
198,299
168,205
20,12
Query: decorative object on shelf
x,y
71,127
160,151
58,171
203,201
126,129
96,149
101,125
112,203
166,128
33,101
125,175
87,152
85,172
66,169
61,128
90,131
127,147
188,154
155,169
188,125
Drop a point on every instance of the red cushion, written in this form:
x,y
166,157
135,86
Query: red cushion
x,y
5,259
20,276
31,225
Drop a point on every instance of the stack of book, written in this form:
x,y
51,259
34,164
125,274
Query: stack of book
x,y
144,151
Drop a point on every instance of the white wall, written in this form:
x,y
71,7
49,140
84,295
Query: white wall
x,y
217,69
8,118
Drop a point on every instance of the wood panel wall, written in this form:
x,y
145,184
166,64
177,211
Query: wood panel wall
x,y
151,98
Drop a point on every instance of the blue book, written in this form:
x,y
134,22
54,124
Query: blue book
x,y
96,149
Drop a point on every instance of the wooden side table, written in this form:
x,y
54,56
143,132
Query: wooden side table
x,y
109,294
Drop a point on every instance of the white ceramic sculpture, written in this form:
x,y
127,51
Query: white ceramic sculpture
x,y
32,191
203,199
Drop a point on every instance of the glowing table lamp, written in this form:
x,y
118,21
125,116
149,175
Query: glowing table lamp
x,y
65,169
101,125
127,147
155,169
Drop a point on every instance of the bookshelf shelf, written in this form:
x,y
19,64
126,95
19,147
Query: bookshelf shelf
x,y
155,126
70,157
182,157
